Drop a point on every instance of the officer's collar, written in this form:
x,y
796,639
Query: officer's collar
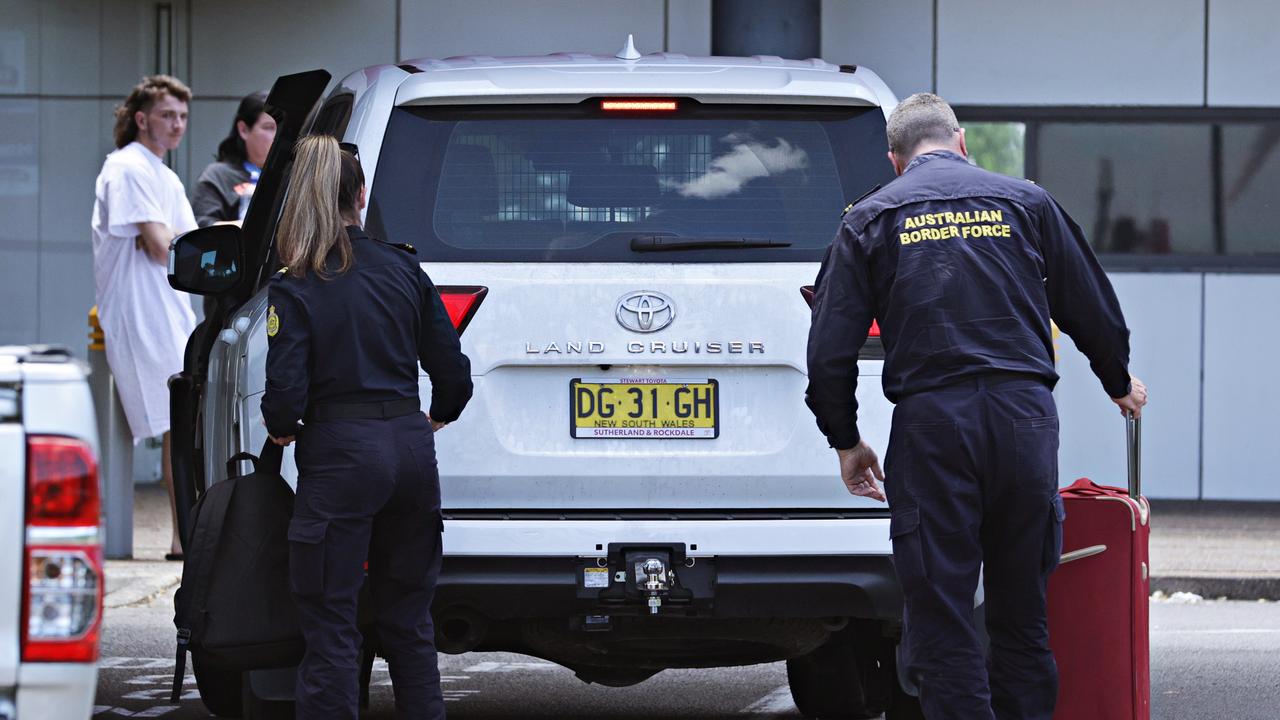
x,y
355,232
933,155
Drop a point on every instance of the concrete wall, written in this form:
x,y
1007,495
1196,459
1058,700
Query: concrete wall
x,y
64,64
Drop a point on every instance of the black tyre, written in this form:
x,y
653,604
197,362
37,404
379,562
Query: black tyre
x,y
905,707
220,689
850,677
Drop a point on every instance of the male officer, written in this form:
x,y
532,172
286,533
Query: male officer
x,y
963,269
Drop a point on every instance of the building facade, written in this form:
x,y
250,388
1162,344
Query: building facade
x,y
1155,122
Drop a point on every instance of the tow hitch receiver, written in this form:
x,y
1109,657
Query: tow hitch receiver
x,y
646,574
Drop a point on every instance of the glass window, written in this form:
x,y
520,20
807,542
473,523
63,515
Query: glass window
x,y
998,146
1133,188
571,183
1250,185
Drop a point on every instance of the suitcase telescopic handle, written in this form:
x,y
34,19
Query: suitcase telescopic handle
x,y
1133,427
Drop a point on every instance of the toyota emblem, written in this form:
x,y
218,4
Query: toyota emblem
x,y
645,311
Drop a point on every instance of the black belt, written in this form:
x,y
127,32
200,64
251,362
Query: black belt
x,y
363,411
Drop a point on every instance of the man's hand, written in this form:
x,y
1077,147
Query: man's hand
x,y
860,469
282,441
435,425
153,239
1133,402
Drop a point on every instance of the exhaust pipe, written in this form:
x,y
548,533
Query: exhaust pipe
x,y
459,630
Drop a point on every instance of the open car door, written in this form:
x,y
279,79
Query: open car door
x,y
290,102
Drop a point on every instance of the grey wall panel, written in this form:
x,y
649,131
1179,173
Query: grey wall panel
x,y
19,47
210,122
129,53
20,160
1163,314
19,319
1244,57
66,293
239,46
432,28
70,158
69,31
689,27
1024,52
1241,388
895,39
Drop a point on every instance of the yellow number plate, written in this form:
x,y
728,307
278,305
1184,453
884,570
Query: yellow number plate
x,y
644,408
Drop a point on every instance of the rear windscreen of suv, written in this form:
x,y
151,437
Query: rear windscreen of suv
x,y
574,183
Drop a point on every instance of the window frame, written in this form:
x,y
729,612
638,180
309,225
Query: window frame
x,y
1034,116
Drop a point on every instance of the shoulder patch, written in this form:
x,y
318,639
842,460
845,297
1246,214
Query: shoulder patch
x,y
406,247
273,322
864,196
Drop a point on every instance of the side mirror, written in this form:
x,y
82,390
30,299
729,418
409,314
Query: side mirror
x,y
206,261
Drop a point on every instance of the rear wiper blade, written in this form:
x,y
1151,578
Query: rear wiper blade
x,y
670,243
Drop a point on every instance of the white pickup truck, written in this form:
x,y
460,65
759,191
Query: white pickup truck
x,y
49,518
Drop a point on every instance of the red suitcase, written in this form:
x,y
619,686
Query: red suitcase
x,y
1098,599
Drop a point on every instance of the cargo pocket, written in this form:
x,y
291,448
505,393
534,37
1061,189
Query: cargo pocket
x,y
306,555
1053,535
908,558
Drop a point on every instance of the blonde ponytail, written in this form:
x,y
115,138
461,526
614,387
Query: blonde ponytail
x,y
311,223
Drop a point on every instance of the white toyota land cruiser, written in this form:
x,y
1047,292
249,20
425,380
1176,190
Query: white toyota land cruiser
x,y
626,245
49,518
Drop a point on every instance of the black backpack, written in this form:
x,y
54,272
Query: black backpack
x,y
233,609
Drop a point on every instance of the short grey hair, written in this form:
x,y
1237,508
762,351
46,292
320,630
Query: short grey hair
x,y
921,118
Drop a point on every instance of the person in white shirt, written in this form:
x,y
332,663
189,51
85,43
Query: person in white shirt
x,y
140,206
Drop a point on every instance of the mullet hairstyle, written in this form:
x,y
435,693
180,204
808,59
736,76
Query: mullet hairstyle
x,y
144,95
324,188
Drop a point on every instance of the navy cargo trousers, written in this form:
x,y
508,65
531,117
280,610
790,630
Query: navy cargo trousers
x,y
972,479
367,489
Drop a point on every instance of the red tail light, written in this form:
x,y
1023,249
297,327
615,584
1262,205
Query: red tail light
x,y
62,580
807,292
461,302
654,105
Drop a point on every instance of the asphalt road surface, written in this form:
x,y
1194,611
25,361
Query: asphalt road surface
x,y
1209,660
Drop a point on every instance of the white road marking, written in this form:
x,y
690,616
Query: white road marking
x,y
1220,631
151,712
132,663
777,702
506,667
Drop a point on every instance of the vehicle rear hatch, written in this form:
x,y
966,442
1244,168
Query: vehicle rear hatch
x,y
648,258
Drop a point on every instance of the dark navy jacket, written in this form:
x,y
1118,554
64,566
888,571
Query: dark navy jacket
x,y
963,269
358,338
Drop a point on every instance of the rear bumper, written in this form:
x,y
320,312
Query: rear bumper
x,y
524,587
523,569
53,691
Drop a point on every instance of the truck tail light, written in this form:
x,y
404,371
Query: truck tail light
x,y
639,105
808,290
63,581
461,302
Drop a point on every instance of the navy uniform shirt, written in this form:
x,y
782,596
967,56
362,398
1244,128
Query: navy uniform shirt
x,y
963,269
358,338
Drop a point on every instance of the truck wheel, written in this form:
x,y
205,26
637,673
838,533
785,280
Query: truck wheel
x,y
256,708
268,694
851,676
905,707
219,689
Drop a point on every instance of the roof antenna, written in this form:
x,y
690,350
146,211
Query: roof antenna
x,y
629,52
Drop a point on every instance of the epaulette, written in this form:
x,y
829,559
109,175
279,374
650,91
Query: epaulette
x,y
400,246
864,196
283,270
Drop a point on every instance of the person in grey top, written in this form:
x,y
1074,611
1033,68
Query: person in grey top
x,y
223,191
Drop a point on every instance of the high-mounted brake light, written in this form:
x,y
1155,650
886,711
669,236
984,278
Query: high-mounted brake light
x,y
461,302
807,292
639,105
62,583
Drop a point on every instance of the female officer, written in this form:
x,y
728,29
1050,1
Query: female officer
x,y
349,320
